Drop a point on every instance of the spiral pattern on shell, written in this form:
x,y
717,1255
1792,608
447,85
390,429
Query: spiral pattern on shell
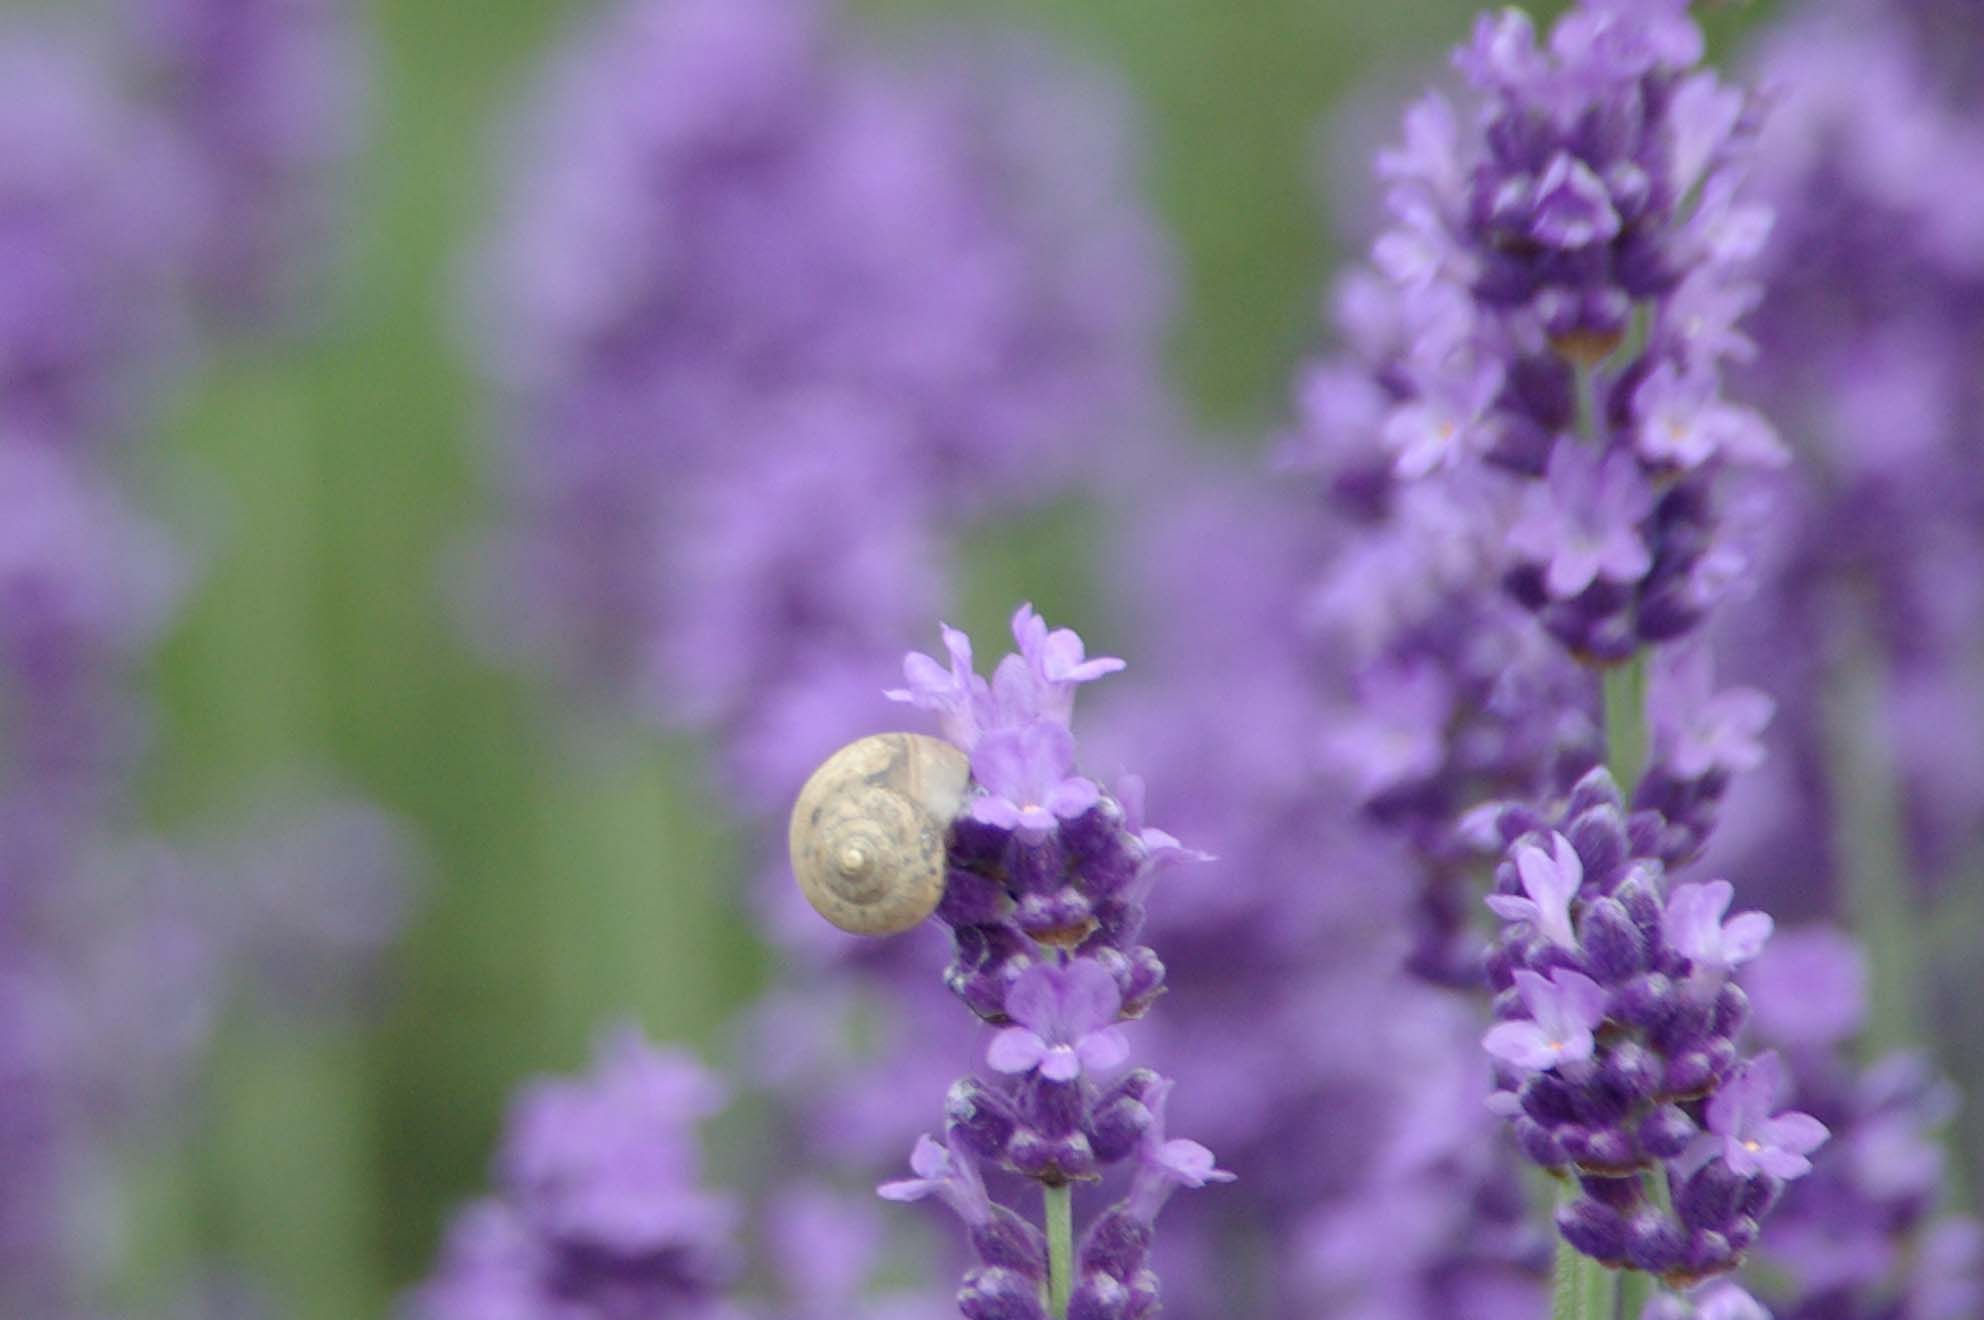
x,y
868,833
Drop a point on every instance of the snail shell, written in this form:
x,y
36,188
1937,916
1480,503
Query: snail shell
x,y
868,831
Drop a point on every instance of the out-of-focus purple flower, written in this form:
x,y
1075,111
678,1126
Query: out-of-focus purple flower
x,y
90,230
774,314
1551,880
1446,426
1562,1012
609,1160
1067,1023
1685,422
600,1211
1696,730
1583,523
1808,987
1396,733
263,99
1693,924
1720,1300
1745,1128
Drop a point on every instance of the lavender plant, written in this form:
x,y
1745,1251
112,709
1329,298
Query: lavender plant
x,y
774,313
117,947
600,1211
782,313
1567,278
260,101
1047,876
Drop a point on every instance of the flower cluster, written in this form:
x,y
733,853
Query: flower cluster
x,y
1865,1232
115,946
1566,280
1577,259
600,1211
87,255
775,314
1044,895
1871,320
1350,1106
261,101
1616,1053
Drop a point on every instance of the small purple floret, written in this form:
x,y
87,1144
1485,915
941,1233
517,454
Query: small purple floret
x,y
1066,1015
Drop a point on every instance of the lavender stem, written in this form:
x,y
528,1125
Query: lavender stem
x,y
1059,1202
1625,723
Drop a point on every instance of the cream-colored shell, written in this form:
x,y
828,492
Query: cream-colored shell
x,y
868,831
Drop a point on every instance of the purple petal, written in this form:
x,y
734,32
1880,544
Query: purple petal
x,y
1103,1050
1510,908
1034,999
1795,1131
1520,1043
998,812
1538,995
1072,797
1000,763
906,1189
930,1158
1061,1064
1571,570
1015,1050
1745,936
1090,999
1036,820
1582,998
1190,1163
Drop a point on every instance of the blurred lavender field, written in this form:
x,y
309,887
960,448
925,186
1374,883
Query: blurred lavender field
x,y
459,472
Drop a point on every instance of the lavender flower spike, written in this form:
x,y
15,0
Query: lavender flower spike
x,y
1046,877
599,1211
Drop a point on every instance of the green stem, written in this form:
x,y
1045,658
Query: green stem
x,y
1583,1288
1635,1291
1060,1248
1625,722
1870,833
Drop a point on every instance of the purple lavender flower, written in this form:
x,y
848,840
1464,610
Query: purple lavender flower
x,y
1684,423
1027,774
1044,896
1066,1015
1809,988
1583,524
1551,881
948,1172
263,100
1562,1012
600,1211
1749,1136
1698,731
1720,1300
1163,1166
773,311
88,247
1693,924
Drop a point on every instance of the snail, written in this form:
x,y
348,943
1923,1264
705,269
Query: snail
x,y
868,831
